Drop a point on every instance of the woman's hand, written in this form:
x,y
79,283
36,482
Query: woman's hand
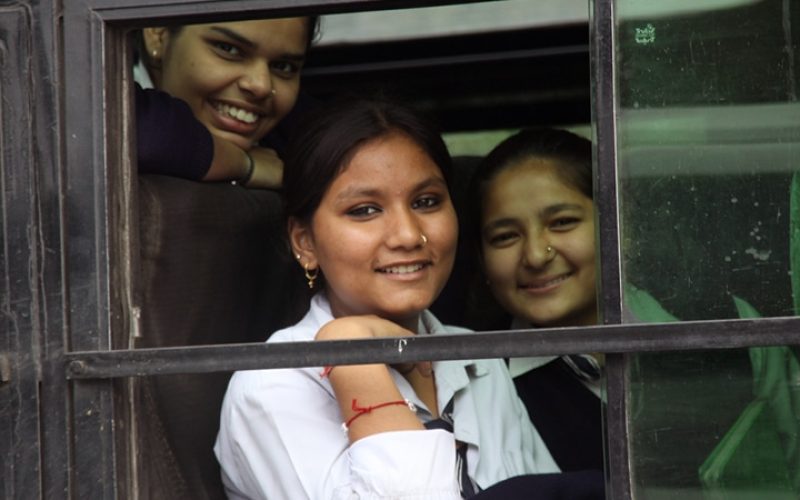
x,y
267,169
361,327
232,163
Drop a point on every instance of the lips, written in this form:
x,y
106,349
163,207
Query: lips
x,y
236,113
403,268
545,284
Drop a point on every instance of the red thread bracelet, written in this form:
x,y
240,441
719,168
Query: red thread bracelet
x,y
362,410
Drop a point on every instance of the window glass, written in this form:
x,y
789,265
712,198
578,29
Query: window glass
x,y
708,142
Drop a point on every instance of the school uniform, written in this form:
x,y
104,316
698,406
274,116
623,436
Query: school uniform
x,y
281,432
564,406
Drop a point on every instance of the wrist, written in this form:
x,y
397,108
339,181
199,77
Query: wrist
x,y
250,167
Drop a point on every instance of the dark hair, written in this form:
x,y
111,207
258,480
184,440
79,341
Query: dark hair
x,y
573,155
329,137
572,152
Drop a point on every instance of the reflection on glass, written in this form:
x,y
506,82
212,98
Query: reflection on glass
x,y
709,129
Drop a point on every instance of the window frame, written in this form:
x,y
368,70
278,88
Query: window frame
x,y
89,363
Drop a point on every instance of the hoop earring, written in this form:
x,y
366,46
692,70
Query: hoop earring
x,y
311,277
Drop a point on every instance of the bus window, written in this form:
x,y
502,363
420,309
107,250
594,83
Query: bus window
x,y
215,266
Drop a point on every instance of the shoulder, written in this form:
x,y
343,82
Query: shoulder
x,y
318,314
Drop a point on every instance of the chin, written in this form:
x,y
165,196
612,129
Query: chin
x,y
397,312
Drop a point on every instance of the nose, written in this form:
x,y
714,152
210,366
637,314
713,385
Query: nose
x,y
537,251
405,231
257,80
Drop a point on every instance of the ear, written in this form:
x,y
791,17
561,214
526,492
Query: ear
x,y
155,43
302,241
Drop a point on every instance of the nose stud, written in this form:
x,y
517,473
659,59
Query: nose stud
x,y
273,92
424,240
549,249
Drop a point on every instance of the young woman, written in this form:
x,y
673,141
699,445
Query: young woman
x,y
222,87
535,226
371,223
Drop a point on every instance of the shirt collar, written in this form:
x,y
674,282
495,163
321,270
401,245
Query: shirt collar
x,y
519,366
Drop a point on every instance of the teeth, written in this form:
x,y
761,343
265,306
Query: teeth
x,y
402,269
237,113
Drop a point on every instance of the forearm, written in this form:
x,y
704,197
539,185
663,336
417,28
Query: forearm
x,y
369,386
229,161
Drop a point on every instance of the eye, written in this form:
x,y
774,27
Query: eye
x,y
426,202
564,223
285,69
226,50
502,239
363,211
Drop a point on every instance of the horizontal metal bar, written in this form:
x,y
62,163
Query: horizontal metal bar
x,y
631,338
197,11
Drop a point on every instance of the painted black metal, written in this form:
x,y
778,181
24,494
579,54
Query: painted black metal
x,y
700,335
61,432
606,198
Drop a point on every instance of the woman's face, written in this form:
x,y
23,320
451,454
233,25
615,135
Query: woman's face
x,y
239,78
367,234
526,209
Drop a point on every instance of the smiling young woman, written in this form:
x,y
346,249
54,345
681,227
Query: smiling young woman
x,y
221,88
535,232
372,226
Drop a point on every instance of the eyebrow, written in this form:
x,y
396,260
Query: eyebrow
x,y
560,207
359,191
233,35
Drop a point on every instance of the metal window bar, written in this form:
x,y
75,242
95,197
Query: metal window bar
x,y
628,338
86,29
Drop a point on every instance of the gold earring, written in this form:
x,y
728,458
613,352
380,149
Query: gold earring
x,y
311,277
155,53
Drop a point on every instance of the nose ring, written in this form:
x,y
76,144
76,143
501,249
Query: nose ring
x,y
424,240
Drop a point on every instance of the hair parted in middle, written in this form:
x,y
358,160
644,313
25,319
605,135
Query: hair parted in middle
x,y
330,136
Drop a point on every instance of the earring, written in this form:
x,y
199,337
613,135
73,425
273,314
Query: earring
x,y
155,53
424,240
311,277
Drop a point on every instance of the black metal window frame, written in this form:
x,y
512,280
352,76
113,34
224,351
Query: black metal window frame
x,y
90,363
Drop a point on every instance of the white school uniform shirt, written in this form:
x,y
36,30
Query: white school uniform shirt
x,y
281,434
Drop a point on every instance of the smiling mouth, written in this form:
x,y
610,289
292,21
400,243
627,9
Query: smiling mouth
x,y
404,269
239,114
546,284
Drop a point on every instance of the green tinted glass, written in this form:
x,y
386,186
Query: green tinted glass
x,y
709,143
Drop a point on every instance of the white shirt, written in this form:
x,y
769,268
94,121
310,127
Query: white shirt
x,y
281,434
